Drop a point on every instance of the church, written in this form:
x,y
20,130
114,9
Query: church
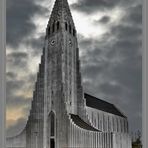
x,y
62,115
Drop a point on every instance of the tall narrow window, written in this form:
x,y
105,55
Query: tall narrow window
x,y
108,124
98,121
52,118
74,32
117,125
53,27
66,26
125,126
113,124
49,30
121,126
58,25
69,28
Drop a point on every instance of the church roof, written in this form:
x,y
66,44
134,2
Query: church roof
x,y
81,123
102,105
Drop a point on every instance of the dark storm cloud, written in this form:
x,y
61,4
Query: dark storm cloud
x,y
12,99
13,85
88,6
19,23
91,6
127,31
17,59
104,19
128,73
83,42
15,101
118,78
134,15
110,89
19,55
36,44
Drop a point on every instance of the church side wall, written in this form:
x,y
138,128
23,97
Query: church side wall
x,y
80,138
84,138
107,122
121,140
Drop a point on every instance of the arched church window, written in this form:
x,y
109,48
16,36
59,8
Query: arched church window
x,y
53,27
58,25
66,26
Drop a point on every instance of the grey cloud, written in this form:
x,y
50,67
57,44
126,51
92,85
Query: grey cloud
x,y
88,6
36,44
84,43
15,129
10,75
134,15
18,55
110,89
104,20
17,101
13,85
126,31
17,59
92,6
19,23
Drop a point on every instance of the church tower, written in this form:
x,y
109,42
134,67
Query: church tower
x,y
62,60
63,89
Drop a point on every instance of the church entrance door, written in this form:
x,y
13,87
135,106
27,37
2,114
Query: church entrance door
x,y
52,143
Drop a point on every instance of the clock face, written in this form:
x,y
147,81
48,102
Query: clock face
x,y
52,43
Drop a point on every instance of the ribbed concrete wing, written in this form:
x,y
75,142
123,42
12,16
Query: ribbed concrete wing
x,y
79,122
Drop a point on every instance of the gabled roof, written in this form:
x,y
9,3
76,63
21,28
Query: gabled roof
x,y
102,105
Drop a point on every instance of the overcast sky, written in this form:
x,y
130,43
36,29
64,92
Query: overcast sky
x,y
109,37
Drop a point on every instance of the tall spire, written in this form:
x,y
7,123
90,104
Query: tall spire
x,y
61,12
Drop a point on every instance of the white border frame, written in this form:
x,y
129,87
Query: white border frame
x,y
2,71
3,84
145,80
